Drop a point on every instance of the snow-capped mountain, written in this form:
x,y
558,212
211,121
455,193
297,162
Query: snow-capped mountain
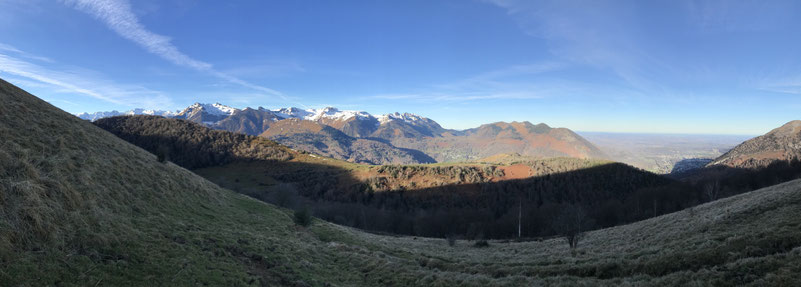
x,y
211,114
292,113
215,109
332,113
329,113
350,134
207,114
99,115
406,117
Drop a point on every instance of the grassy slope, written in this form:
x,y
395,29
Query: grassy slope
x,y
80,207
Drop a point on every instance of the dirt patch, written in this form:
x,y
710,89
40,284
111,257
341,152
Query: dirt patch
x,y
516,171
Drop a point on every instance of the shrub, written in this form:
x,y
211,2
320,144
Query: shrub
x,y
303,216
161,154
481,244
451,240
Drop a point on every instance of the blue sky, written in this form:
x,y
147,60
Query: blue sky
x,y
724,67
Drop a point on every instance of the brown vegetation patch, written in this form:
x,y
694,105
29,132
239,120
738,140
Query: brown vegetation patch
x,y
516,171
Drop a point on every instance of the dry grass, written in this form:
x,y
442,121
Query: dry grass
x,y
81,207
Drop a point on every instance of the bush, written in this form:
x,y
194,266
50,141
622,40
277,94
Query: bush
x,y
451,240
303,217
481,244
161,154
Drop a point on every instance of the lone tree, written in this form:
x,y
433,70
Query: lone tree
x,y
303,216
571,223
712,190
162,154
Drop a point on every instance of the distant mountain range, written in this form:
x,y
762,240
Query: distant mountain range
x,y
780,144
397,138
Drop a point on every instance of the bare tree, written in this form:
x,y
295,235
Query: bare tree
x,y
712,190
520,219
571,223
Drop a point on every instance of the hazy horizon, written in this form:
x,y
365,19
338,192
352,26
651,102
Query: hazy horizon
x,y
669,67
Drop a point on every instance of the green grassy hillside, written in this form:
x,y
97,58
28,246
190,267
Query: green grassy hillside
x,y
81,207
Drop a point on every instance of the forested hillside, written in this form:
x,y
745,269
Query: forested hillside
x,y
468,200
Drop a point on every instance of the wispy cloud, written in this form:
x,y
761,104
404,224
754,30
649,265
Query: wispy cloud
x,y
119,17
11,49
788,85
601,34
460,97
81,82
747,15
655,52
510,83
500,78
272,69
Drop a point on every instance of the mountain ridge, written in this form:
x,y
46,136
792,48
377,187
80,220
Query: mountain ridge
x,y
405,137
780,144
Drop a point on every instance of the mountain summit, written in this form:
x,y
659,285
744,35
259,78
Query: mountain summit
x,y
780,144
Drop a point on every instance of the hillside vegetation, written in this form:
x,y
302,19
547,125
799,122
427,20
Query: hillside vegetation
x,y
191,145
470,200
81,207
330,142
780,144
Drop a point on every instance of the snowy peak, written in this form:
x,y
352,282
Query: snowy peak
x,y
292,113
406,117
328,113
99,115
332,113
211,114
215,109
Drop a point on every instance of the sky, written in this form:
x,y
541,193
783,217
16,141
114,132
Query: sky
x,y
672,66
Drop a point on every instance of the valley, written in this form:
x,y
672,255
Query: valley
x,y
664,153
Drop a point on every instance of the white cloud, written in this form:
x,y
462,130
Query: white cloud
x,y
81,83
14,50
119,17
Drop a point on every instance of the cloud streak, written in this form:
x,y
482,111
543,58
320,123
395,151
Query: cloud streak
x,y
510,83
119,17
601,34
14,50
460,97
788,85
82,84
